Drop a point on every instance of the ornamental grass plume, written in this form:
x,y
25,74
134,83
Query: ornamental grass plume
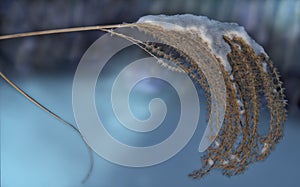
x,y
195,45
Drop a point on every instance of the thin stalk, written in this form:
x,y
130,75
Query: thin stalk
x,y
55,116
66,30
105,28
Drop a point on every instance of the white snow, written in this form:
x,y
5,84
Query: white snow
x,y
240,103
264,148
234,157
211,31
265,67
210,161
242,112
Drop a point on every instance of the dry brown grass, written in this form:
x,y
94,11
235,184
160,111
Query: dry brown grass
x,y
238,143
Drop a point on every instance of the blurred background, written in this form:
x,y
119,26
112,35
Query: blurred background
x,y
36,150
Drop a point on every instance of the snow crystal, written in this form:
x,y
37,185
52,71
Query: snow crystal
x,y
210,161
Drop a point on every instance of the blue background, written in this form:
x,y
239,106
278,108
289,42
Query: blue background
x,y
37,150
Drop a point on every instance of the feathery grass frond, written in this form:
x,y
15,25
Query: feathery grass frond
x,y
248,74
